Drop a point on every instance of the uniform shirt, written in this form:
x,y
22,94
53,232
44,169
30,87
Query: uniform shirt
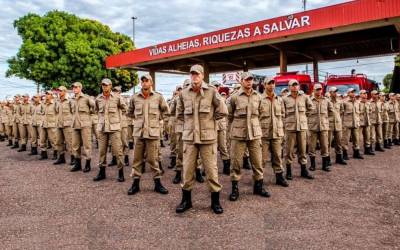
x,y
244,115
335,119
65,113
393,111
37,114
50,113
385,111
25,111
295,112
365,110
351,113
199,110
376,108
318,117
147,112
110,111
15,112
271,117
83,106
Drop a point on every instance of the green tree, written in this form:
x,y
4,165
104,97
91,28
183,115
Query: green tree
x,y
60,48
387,80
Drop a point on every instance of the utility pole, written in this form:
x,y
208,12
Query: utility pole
x,y
133,39
304,9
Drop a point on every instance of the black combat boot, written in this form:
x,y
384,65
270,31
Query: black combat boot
x,y
158,187
130,145
87,166
9,143
340,160
227,167
397,142
289,172
386,144
16,145
378,147
357,154
368,150
312,162
77,165
135,187
54,155
126,160
172,164
186,202
246,162
304,172
280,180
33,151
329,160
199,177
162,143
235,191
101,175
325,165
215,205
178,177
60,160
113,162
258,189
23,148
121,177
72,160
43,155
345,155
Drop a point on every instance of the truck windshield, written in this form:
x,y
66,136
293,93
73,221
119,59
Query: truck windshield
x,y
342,88
278,88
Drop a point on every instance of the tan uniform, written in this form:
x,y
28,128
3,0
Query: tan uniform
x,y
199,111
376,122
49,124
385,120
335,126
179,140
124,128
147,113
16,121
296,126
271,119
3,117
244,115
129,121
25,113
351,123
9,121
82,126
222,146
36,123
95,120
318,125
365,123
109,126
64,132
393,111
171,125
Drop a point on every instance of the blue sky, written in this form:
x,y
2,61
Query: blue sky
x,y
160,21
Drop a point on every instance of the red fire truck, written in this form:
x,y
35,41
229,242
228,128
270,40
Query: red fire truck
x,y
356,81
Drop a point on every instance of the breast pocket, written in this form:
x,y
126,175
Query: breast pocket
x,y
188,108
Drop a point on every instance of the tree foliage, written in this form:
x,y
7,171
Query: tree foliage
x,y
60,48
387,80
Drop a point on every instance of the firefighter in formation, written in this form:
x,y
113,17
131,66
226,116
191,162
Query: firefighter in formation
x,y
247,129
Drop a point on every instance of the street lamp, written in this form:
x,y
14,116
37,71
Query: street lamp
x,y
133,28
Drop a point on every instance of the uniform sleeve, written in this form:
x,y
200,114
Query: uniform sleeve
x,y
131,110
331,109
221,110
283,108
231,105
164,108
123,105
179,108
309,104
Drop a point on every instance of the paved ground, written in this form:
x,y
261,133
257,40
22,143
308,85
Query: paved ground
x,y
47,207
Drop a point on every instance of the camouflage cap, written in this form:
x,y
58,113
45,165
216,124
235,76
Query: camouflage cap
x,y
77,84
146,76
268,80
350,90
317,86
333,89
363,91
284,90
293,82
197,68
62,88
246,75
374,92
106,81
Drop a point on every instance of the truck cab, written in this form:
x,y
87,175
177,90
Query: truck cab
x,y
356,81
282,80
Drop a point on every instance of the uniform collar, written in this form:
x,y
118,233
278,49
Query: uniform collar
x,y
141,93
111,95
203,86
241,91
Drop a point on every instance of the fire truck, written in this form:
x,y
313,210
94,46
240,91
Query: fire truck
x,y
356,81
